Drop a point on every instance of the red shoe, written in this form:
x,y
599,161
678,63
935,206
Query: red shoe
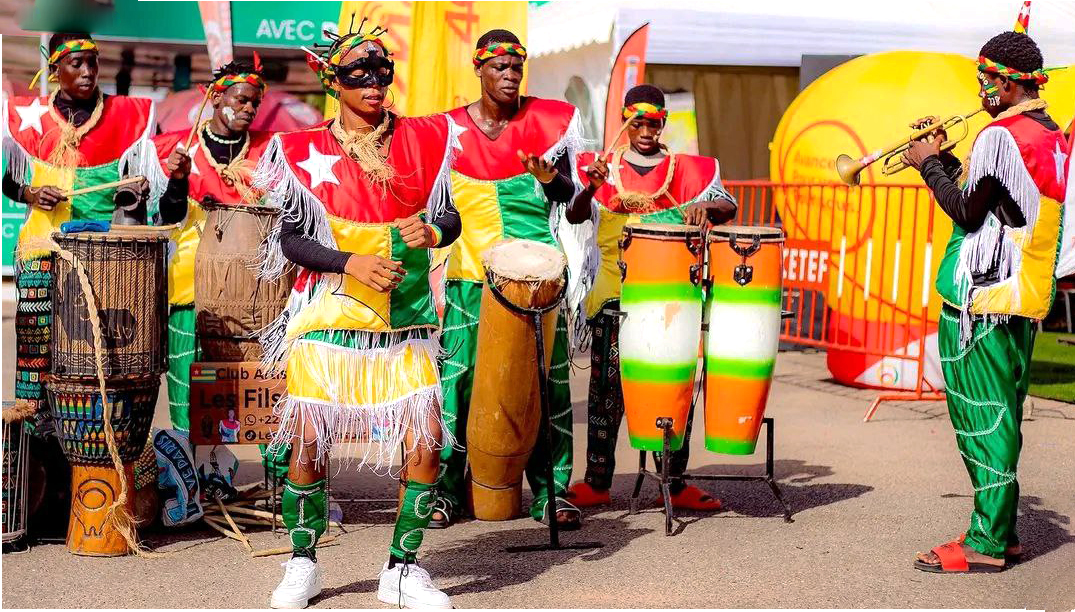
x,y
584,496
692,498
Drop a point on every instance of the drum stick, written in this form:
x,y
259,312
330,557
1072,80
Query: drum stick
x,y
241,520
612,144
120,183
227,517
223,530
197,120
283,550
250,511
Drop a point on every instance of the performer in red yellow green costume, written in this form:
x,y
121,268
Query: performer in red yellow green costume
x,y
358,337
996,280
217,167
506,135
74,138
649,184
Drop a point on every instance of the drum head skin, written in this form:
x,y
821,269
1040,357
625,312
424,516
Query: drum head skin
x,y
663,230
525,260
747,232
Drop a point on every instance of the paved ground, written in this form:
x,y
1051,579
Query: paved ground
x,y
865,496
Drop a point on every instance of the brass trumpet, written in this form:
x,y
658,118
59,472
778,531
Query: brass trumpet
x,y
849,168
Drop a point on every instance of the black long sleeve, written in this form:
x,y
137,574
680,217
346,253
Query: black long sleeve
x,y
301,250
173,204
561,188
969,209
12,189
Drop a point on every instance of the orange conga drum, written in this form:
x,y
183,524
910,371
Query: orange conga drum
x,y
743,309
661,329
505,406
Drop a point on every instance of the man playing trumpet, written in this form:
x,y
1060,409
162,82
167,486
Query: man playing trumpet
x,y
996,280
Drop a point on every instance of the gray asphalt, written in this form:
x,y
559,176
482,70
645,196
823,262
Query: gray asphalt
x,y
865,497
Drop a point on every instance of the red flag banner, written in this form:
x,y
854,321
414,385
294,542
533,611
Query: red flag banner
x,y
628,70
216,21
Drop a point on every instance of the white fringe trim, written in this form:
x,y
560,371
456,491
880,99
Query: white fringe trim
x,y
382,427
18,160
995,154
440,198
141,160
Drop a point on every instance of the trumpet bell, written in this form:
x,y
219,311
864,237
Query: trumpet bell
x,y
849,169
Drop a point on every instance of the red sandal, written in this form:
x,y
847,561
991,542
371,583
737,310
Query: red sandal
x,y
954,561
585,496
692,498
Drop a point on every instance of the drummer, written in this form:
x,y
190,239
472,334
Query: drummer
x,y
507,135
216,168
74,136
648,183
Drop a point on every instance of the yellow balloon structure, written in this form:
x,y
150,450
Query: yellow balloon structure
x,y
882,257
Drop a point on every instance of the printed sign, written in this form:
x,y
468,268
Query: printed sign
x,y
232,403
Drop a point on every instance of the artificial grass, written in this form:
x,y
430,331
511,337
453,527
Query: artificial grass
x,y
1052,370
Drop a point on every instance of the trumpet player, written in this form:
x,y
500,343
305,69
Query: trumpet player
x,y
996,280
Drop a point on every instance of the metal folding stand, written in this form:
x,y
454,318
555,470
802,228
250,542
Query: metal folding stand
x,y
535,315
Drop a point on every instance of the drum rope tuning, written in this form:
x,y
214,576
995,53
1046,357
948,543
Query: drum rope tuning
x,y
117,513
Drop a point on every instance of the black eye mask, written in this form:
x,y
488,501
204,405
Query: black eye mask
x,y
372,66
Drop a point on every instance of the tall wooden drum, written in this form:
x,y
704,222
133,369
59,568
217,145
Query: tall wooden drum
x,y
505,407
745,272
661,331
231,303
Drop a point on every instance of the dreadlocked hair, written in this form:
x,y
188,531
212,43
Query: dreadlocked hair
x,y
237,67
1015,50
60,38
496,36
644,93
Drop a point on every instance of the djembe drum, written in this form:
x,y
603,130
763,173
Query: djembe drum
x,y
661,331
127,300
232,304
505,408
743,307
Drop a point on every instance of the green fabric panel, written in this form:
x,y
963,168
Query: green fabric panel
x,y
640,371
734,294
182,352
660,292
744,368
414,516
986,384
946,273
305,513
275,462
670,215
525,213
96,206
411,303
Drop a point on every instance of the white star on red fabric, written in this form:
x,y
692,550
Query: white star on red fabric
x,y
30,116
1060,157
319,167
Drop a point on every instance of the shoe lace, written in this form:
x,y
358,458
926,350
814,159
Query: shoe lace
x,y
296,573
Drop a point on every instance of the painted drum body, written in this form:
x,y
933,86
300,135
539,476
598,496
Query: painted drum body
x,y
743,310
661,328
94,488
505,405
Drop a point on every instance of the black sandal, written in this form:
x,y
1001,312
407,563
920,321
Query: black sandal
x,y
562,505
446,510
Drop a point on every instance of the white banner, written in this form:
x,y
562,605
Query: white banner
x,y
1066,265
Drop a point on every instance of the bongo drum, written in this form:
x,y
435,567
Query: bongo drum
x,y
126,269
505,408
743,307
661,329
231,303
13,503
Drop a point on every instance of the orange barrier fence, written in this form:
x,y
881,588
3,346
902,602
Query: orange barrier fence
x,y
859,266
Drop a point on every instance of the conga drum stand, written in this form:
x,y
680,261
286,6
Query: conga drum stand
x,y
535,315
662,478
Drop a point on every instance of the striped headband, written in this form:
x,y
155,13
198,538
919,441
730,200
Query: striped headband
x,y
1039,76
71,46
224,82
498,49
645,110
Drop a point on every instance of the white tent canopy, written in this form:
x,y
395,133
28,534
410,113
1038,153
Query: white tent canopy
x,y
780,32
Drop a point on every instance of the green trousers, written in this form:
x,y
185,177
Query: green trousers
x,y
182,351
986,383
460,341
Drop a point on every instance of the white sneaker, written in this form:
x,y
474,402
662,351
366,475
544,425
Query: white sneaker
x,y
410,588
302,581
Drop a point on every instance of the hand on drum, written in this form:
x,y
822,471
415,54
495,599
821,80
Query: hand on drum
x,y
45,198
542,170
597,173
416,233
178,164
375,272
